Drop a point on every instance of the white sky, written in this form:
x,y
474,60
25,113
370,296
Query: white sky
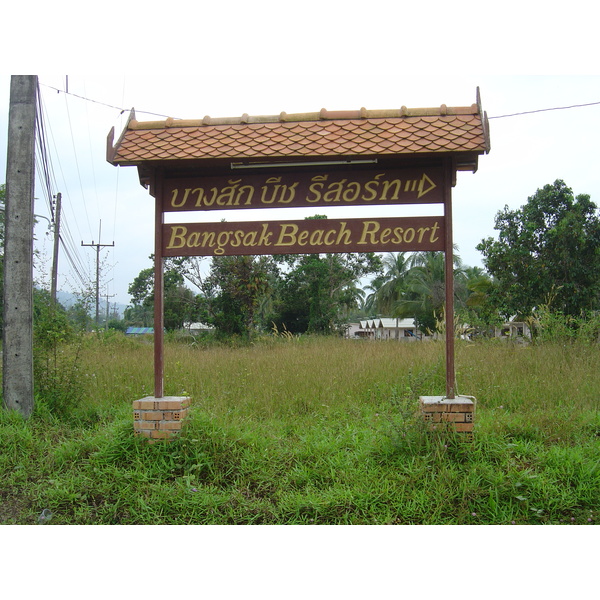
x,y
228,60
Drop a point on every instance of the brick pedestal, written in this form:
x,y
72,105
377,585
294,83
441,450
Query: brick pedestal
x,y
160,418
456,415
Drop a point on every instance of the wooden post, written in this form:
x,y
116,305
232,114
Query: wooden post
x,y
159,319
449,280
17,358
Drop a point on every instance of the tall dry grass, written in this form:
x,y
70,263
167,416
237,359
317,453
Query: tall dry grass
x,y
314,430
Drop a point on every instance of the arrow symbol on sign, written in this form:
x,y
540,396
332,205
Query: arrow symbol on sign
x,y
425,181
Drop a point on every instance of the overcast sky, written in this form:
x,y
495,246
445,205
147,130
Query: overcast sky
x,y
321,58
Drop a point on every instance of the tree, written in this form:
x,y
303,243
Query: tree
x,y
394,280
234,289
549,246
180,303
317,291
424,290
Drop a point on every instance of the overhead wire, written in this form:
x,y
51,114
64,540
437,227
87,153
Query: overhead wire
x,y
77,166
104,103
122,110
49,185
539,110
71,249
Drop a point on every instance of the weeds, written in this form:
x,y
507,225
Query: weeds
x,y
321,431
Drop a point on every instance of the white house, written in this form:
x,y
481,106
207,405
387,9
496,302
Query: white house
x,y
385,329
514,330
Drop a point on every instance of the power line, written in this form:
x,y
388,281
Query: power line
x,y
122,110
530,112
103,103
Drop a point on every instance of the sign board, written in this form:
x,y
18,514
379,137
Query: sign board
x,y
310,236
338,188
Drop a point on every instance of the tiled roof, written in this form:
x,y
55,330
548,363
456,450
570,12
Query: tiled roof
x,y
322,134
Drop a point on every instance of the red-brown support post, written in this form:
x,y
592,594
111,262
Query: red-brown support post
x,y
449,280
158,287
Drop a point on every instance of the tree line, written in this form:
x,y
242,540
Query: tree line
x,y
546,254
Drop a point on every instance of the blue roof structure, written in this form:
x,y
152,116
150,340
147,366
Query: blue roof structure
x,y
139,330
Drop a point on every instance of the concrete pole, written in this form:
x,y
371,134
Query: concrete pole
x,y
55,253
17,358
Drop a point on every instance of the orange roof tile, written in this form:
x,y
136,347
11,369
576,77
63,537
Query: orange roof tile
x,y
322,134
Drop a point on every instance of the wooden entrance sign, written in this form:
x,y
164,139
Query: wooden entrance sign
x,y
317,160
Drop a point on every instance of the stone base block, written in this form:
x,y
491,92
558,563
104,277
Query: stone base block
x,y
456,415
160,418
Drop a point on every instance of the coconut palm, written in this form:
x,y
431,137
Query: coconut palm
x,y
425,293
397,267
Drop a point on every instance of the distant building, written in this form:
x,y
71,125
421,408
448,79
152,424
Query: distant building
x,y
514,330
196,328
139,331
385,329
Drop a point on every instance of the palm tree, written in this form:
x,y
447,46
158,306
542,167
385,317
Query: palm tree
x,y
397,267
393,284
426,291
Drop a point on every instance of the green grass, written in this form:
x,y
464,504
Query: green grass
x,y
312,431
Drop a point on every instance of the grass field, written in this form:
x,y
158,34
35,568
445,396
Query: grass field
x,y
308,431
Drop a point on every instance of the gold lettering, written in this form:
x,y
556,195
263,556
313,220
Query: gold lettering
x,y
208,239
384,235
315,188
291,189
193,240
387,185
334,191
316,238
344,234
250,239
206,201
174,202
222,241
409,232
288,230
177,235
422,231
422,190
370,228
225,198
237,238
397,235
302,238
433,231
328,240
352,192
265,236
369,187
245,188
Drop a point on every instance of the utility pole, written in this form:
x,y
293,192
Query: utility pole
x,y
98,246
108,309
17,358
55,254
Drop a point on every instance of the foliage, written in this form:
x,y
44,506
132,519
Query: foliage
x,y
55,370
413,286
180,303
550,243
316,292
234,289
278,435
80,314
